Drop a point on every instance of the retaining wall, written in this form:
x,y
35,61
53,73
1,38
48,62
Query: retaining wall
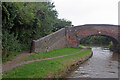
x,y
52,41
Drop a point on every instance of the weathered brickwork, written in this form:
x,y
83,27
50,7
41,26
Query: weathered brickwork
x,y
70,36
55,40
76,33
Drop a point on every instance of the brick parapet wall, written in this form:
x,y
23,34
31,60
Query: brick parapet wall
x,y
52,41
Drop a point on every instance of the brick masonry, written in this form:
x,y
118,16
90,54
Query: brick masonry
x,y
76,33
70,36
52,41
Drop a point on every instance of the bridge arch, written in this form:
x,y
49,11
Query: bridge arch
x,y
115,42
76,33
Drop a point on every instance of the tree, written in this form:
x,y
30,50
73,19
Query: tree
x,y
61,23
23,22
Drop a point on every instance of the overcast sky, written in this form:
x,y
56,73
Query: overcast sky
x,y
88,11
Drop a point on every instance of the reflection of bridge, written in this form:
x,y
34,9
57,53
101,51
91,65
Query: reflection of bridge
x,y
76,33
70,36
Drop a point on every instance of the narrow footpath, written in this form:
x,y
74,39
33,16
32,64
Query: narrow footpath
x,y
15,62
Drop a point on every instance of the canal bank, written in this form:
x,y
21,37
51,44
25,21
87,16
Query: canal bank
x,y
52,67
75,65
103,64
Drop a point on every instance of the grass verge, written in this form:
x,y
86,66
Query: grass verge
x,y
53,53
53,68
81,47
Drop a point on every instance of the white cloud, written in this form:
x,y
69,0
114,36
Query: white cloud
x,y
88,11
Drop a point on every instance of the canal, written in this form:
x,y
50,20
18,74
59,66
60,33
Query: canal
x,y
103,64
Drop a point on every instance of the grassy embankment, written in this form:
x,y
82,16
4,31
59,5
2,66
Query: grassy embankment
x,y
53,53
47,68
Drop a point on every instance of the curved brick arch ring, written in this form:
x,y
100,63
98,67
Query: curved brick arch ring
x,y
76,33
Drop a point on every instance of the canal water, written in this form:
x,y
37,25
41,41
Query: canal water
x,y
103,64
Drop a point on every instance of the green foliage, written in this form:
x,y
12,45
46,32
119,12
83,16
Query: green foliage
x,y
61,23
45,68
10,45
23,22
8,40
80,46
111,45
97,40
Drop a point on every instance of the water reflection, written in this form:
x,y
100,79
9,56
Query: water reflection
x,y
103,64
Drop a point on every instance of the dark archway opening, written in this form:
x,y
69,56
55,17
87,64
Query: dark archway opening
x,y
100,40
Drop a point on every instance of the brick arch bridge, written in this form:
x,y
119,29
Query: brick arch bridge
x,y
70,36
76,33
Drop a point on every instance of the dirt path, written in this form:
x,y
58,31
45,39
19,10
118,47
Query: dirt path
x,y
10,64
14,63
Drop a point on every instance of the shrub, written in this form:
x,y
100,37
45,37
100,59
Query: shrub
x,y
80,46
10,43
110,45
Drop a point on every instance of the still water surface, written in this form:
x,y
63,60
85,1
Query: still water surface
x,y
103,64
